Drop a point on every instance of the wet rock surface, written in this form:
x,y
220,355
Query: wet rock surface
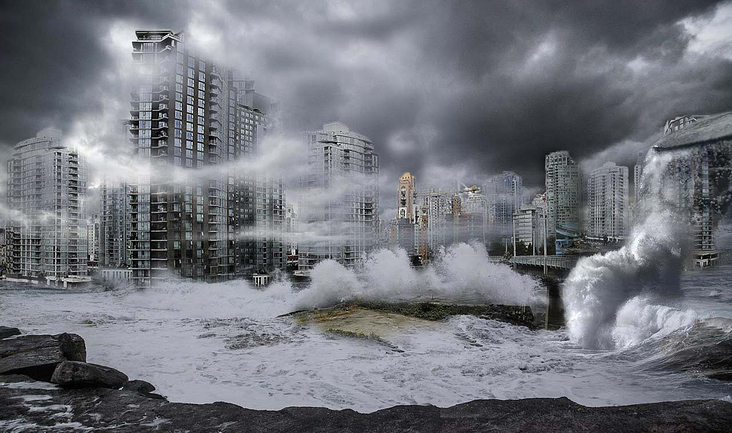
x,y
27,405
74,374
6,332
37,355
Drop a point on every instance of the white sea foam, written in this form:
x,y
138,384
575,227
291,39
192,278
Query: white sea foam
x,y
651,262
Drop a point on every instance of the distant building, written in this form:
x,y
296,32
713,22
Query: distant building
x,y
563,193
341,197
529,227
405,198
46,191
434,207
504,196
698,175
607,190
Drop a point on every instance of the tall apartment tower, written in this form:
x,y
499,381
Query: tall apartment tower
x,y
183,118
504,195
607,188
563,192
341,200
46,190
638,176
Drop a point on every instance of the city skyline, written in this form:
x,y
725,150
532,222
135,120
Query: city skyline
x,y
413,134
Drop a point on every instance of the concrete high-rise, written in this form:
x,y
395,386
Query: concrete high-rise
x,y
563,193
340,206
607,190
45,191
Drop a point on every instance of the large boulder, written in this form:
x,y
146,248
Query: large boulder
x,y
74,374
6,332
38,355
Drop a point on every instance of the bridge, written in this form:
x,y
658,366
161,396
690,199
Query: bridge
x,y
552,262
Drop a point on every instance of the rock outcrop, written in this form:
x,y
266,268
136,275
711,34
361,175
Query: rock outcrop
x,y
38,355
6,332
74,374
100,398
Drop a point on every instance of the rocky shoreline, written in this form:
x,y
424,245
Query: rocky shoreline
x,y
46,384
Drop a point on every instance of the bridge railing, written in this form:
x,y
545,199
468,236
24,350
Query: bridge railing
x,y
558,262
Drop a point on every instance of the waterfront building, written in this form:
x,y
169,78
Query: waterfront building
x,y
195,214
46,188
341,197
607,190
435,210
697,176
405,198
563,194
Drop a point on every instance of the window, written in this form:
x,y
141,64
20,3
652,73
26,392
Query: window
x,y
201,85
178,114
191,74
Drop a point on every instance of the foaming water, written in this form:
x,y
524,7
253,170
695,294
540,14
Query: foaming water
x,y
650,263
460,273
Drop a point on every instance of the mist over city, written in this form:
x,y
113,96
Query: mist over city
x,y
365,216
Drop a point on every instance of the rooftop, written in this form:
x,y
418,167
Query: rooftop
x,y
707,129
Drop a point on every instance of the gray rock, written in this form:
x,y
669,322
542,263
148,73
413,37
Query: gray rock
x,y
6,332
139,386
74,374
37,355
124,411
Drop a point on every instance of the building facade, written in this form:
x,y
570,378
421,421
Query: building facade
x,y
114,224
341,197
194,213
607,190
563,193
45,193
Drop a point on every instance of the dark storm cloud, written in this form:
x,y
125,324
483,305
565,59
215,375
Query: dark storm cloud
x,y
473,87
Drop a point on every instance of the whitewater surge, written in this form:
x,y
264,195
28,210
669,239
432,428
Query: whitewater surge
x,y
603,291
461,273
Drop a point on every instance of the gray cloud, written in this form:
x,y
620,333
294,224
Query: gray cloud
x,y
447,91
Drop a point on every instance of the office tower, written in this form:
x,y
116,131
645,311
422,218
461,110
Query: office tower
x,y
472,222
114,224
341,197
434,209
291,228
405,198
563,193
505,195
607,189
46,191
696,180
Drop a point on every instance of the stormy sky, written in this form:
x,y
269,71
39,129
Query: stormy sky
x,y
446,90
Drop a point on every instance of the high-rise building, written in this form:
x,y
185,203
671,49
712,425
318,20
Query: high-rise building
x,y
505,195
46,191
638,176
696,179
341,197
193,215
405,198
607,189
563,193
92,238
260,223
114,224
